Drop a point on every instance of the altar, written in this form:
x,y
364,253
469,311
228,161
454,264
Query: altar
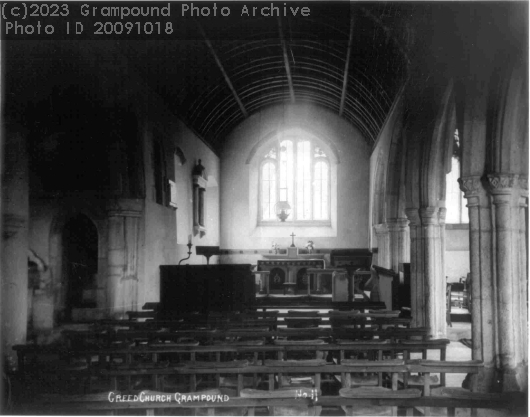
x,y
290,276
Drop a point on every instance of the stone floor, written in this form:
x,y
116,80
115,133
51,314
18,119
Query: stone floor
x,y
456,351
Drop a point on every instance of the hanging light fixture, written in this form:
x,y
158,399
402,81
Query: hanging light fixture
x,y
282,209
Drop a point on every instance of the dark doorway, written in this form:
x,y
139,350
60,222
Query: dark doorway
x,y
80,246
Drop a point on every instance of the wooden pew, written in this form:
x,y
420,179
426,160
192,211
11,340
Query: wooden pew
x,y
197,323
343,333
191,348
212,368
239,348
272,368
323,319
300,303
314,303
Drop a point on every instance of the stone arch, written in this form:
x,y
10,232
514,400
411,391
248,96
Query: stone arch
x,y
379,206
56,261
396,202
395,186
507,145
429,138
438,151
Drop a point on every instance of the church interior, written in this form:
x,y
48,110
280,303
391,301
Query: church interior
x,y
276,216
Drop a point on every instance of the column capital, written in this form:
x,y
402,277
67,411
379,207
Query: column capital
x,y
470,185
429,215
523,184
397,223
474,190
442,212
381,228
499,183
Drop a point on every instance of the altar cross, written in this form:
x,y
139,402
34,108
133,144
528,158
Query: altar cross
x,y
293,235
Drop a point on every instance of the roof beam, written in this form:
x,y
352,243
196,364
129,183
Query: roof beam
x,y
286,61
225,75
346,69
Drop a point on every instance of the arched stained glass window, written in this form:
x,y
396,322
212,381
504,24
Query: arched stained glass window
x,y
295,170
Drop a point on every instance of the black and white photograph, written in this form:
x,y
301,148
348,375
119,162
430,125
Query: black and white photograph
x,y
264,208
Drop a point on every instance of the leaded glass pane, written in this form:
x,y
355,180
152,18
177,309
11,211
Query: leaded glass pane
x,y
320,191
303,181
287,172
268,191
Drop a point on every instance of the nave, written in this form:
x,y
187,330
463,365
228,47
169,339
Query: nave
x,y
167,201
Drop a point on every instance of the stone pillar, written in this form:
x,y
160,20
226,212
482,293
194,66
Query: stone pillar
x,y
15,219
383,245
416,266
523,265
123,240
399,242
434,296
483,316
426,268
511,282
441,281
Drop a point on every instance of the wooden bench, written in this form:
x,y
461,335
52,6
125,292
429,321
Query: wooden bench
x,y
271,368
314,303
344,332
196,323
107,337
299,303
280,349
323,319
